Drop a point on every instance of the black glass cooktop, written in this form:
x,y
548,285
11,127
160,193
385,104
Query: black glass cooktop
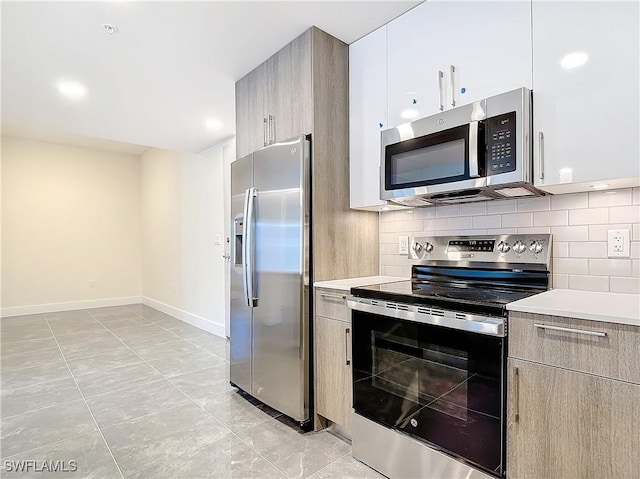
x,y
460,297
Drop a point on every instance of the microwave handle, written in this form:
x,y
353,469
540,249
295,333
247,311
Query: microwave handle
x,y
473,149
440,99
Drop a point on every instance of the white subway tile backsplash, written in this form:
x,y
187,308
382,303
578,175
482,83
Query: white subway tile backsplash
x,y
579,224
571,266
424,213
570,233
589,283
560,281
499,207
413,226
517,220
591,216
610,198
570,202
447,211
600,232
560,249
551,218
431,226
502,231
588,249
460,223
624,285
473,209
541,203
490,221
610,267
625,214
535,230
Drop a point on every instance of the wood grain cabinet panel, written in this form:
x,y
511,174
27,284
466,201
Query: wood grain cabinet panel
x,y
332,304
605,349
564,424
333,370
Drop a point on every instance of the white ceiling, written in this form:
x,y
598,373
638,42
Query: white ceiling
x,y
171,66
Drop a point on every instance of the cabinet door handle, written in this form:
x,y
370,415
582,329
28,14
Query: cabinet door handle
x,y
272,130
516,390
453,89
264,132
541,155
341,297
570,330
440,77
346,346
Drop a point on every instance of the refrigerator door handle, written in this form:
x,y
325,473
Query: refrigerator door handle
x,y
250,225
245,234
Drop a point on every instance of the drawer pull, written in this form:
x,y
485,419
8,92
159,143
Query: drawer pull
x,y
334,296
570,330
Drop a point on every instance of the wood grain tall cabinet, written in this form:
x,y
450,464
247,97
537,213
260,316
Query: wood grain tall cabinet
x,y
304,89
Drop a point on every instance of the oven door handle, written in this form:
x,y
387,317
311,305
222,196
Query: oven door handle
x,y
473,150
491,326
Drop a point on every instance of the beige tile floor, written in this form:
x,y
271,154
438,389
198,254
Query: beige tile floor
x,y
129,391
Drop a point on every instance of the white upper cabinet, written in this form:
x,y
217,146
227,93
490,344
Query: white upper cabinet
x,y
586,103
444,54
367,116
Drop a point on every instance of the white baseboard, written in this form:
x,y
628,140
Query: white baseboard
x,y
72,305
193,319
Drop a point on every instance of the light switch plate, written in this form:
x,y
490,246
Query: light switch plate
x,y
618,245
217,240
403,245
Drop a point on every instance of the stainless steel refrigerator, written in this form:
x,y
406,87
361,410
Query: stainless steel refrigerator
x,y
270,209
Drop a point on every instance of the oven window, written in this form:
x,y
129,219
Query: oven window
x,y
444,160
439,385
428,160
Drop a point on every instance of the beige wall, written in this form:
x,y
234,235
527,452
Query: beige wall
x,y
182,211
578,223
69,215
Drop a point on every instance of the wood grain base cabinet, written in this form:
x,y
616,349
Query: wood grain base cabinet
x,y
332,339
565,424
573,398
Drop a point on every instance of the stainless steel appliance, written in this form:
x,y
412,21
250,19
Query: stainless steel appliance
x,y
270,208
429,356
474,152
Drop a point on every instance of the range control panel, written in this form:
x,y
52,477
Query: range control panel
x,y
501,143
529,248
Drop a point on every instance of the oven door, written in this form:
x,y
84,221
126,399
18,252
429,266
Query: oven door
x,y
442,386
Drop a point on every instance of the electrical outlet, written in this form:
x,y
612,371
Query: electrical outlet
x,y
618,245
403,245
92,283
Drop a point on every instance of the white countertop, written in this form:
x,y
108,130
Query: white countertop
x,y
348,283
608,307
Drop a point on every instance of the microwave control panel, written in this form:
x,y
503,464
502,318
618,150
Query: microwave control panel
x,y
501,144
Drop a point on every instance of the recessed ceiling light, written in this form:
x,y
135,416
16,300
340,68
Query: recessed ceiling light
x,y
574,60
600,186
212,124
110,28
72,89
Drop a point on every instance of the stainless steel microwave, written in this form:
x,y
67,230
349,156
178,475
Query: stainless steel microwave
x,y
473,152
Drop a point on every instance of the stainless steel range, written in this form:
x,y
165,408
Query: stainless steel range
x,y
429,356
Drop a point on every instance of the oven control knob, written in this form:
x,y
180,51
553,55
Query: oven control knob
x,y
503,247
417,247
535,247
428,247
519,247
